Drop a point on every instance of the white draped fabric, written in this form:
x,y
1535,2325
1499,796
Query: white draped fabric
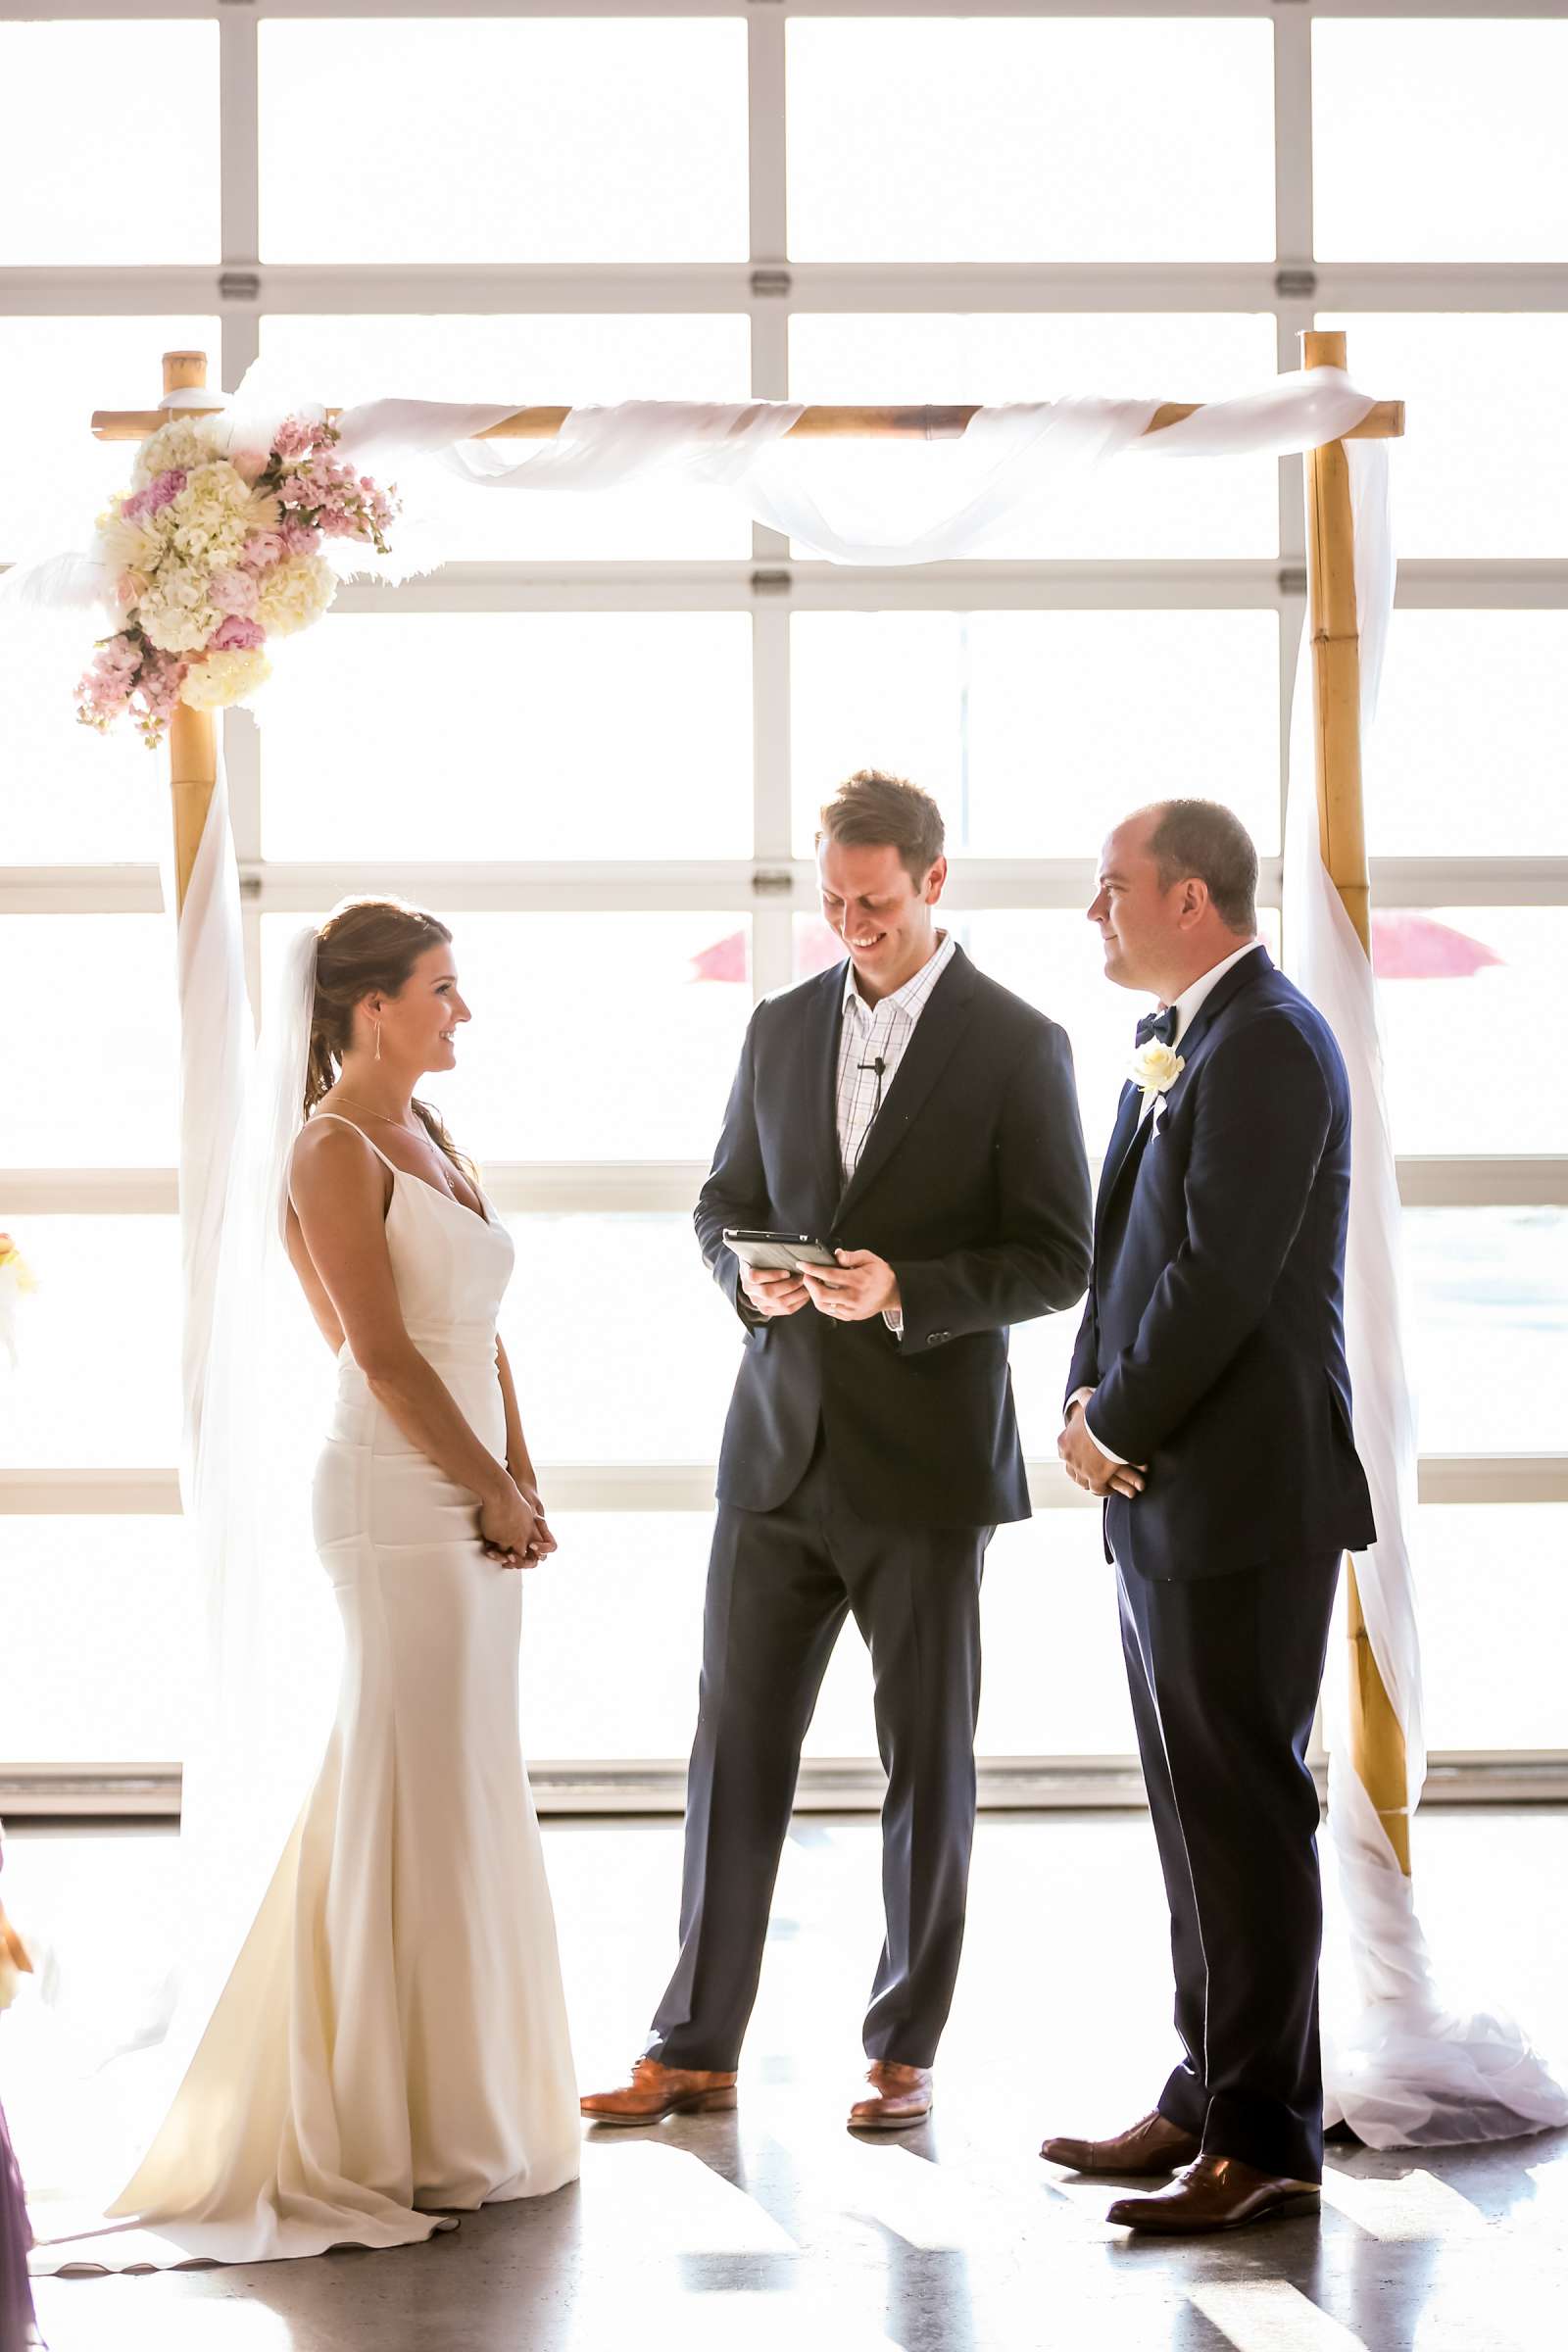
x,y
1402,2071
1400,2076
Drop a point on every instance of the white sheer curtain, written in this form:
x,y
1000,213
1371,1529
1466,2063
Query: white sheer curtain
x,y
1401,2070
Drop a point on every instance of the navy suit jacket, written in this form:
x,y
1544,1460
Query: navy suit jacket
x,y
1213,1333
972,1185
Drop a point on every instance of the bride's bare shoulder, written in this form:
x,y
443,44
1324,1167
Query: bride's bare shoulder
x,y
333,1159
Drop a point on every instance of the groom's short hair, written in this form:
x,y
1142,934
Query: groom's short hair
x,y
1203,840
874,810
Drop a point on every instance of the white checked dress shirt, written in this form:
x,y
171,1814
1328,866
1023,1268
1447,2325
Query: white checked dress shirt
x,y
872,1033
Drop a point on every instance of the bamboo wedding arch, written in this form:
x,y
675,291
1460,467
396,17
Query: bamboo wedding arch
x,y
1377,1740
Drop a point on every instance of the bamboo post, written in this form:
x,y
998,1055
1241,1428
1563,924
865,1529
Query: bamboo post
x,y
1377,1740
192,734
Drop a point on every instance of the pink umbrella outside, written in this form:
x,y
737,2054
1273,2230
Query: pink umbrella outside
x,y
816,951
1409,946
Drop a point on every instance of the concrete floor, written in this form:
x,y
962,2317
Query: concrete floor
x,y
773,2227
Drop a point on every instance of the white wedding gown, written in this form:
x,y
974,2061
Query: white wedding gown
x,y
393,2037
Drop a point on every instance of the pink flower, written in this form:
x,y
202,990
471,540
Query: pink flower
x,y
248,462
233,591
294,436
333,523
299,539
260,549
158,493
236,635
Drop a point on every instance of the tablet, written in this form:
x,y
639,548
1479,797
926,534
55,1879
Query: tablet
x,y
784,1253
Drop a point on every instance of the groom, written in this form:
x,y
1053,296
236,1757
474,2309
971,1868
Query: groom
x,y
1209,1403
905,1105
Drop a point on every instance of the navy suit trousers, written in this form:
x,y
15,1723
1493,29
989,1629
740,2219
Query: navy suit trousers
x,y
1224,1673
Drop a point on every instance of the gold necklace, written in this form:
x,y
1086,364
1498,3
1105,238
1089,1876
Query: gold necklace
x,y
420,1132
385,1119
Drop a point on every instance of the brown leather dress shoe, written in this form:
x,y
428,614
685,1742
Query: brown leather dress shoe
x,y
1154,2145
655,2091
900,2095
1217,2192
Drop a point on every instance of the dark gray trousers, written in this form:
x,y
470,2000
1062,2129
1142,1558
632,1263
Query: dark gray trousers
x,y
780,1583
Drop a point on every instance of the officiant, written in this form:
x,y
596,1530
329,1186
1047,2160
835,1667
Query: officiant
x,y
922,1123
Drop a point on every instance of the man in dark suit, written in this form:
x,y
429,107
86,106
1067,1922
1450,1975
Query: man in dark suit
x,y
1209,1403
906,1104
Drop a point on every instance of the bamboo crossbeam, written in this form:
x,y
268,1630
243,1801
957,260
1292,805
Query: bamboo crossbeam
x,y
1376,1739
1383,423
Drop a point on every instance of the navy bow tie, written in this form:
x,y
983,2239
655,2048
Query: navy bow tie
x,y
1160,1025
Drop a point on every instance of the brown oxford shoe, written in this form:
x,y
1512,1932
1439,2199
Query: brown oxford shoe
x,y
655,2091
1154,2145
1217,2192
900,2095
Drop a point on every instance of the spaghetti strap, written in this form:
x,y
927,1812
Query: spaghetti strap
x,y
360,1131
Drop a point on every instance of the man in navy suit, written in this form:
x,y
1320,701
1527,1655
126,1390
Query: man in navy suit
x,y
1209,1404
922,1123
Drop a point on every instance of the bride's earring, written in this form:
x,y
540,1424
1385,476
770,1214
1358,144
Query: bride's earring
x,y
378,1041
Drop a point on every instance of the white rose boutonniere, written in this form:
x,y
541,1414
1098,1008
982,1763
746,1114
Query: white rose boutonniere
x,y
1154,1068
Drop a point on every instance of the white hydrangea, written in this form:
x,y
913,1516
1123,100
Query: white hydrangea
x,y
294,594
225,678
175,608
212,518
185,443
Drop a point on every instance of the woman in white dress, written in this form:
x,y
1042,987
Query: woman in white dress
x,y
392,2041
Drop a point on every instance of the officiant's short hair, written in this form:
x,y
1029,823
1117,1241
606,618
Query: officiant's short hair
x,y
874,810
1210,843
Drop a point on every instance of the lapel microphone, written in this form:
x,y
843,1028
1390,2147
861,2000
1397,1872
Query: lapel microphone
x,y
880,1068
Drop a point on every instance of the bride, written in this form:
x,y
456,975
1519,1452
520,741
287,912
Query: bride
x,y
391,2043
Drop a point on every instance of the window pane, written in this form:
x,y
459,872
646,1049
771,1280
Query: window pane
x,y
929,139
511,735
1468,990
54,476
1460,486
91,1080
70,795
1439,142
1039,731
479,140
1489,1328
101,1632
622,1346
1493,1585
1163,507
546,359
1472,737
594,1036
1054,1681
627,1592
98,1342
1052,960
86,173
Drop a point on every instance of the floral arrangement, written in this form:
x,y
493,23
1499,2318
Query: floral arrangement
x,y
211,555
